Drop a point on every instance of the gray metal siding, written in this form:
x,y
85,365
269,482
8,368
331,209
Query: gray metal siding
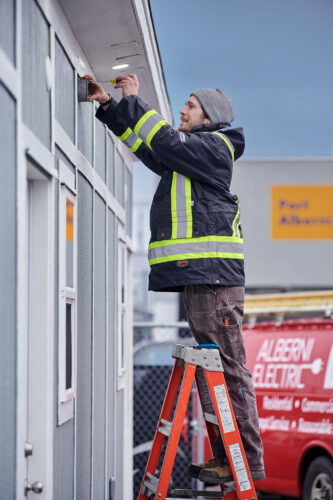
x,y
63,478
99,349
7,294
111,352
100,149
128,207
64,91
110,164
119,416
84,340
120,178
85,129
7,28
35,48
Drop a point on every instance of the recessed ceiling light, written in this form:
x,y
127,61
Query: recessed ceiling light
x,y
120,66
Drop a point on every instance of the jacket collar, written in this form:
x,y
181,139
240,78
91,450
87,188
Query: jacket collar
x,y
210,127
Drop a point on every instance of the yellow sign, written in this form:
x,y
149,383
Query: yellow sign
x,y
302,212
69,220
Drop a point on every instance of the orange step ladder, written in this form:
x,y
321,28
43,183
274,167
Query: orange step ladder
x,y
187,360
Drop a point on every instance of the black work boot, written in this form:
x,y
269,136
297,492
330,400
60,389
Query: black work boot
x,y
222,474
194,470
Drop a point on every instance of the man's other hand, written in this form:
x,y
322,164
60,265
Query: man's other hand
x,y
129,83
96,91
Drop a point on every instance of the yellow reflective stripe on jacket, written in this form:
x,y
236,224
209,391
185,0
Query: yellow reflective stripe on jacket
x,y
204,255
230,147
148,125
124,136
143,119
199,239
131,140
136,145
181,207
154,130
238,230
234,223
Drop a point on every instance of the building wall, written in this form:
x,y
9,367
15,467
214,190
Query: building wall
x,y
283,263
8,268
88,453
7,291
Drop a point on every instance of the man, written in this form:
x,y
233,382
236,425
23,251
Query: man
x,y
196,237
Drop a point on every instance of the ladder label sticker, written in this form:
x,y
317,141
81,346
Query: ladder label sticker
x,y
239,465
224,408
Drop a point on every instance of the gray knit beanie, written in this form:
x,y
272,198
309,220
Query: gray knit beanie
x,y
216,104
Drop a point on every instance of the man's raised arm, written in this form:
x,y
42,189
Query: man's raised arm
x,y
115,122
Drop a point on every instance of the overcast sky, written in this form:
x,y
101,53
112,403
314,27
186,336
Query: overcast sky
x,y
273,57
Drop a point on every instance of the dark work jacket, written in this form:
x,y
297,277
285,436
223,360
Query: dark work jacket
x,y
196,236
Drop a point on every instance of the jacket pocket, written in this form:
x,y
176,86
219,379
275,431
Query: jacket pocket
x,y
160,219
200,226
221,223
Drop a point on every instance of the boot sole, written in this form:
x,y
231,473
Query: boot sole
x,y
193,471
211,477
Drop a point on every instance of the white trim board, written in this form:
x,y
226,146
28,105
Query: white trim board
x,y
36,150
153,60
8,74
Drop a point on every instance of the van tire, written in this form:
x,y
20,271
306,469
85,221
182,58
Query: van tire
x,y
318,481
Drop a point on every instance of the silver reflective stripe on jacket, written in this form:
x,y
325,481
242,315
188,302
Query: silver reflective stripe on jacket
x,y
181,207
148,125
204,247
131,140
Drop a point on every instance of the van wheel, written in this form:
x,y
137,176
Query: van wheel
x,y
318,483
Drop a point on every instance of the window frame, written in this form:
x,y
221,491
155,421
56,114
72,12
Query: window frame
x,y
67,295
122,306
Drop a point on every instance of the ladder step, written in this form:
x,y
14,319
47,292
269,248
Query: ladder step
x,y
211,418
165,427
150,484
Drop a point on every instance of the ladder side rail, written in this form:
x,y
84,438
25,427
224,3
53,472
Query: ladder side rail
x,y
177,425
232,495
230,435
209,425
166,411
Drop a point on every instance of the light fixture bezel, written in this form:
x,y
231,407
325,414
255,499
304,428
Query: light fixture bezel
x,y
120,66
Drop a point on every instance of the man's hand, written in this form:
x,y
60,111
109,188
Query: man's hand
x,y
96,91
129,83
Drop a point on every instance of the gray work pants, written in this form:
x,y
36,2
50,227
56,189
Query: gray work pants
x,y
207,308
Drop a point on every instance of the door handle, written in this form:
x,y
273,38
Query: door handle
x,y
36,487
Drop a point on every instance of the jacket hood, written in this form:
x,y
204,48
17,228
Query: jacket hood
x,y
235,135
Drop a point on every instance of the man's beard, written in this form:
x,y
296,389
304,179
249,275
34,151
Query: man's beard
x,y
183,127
